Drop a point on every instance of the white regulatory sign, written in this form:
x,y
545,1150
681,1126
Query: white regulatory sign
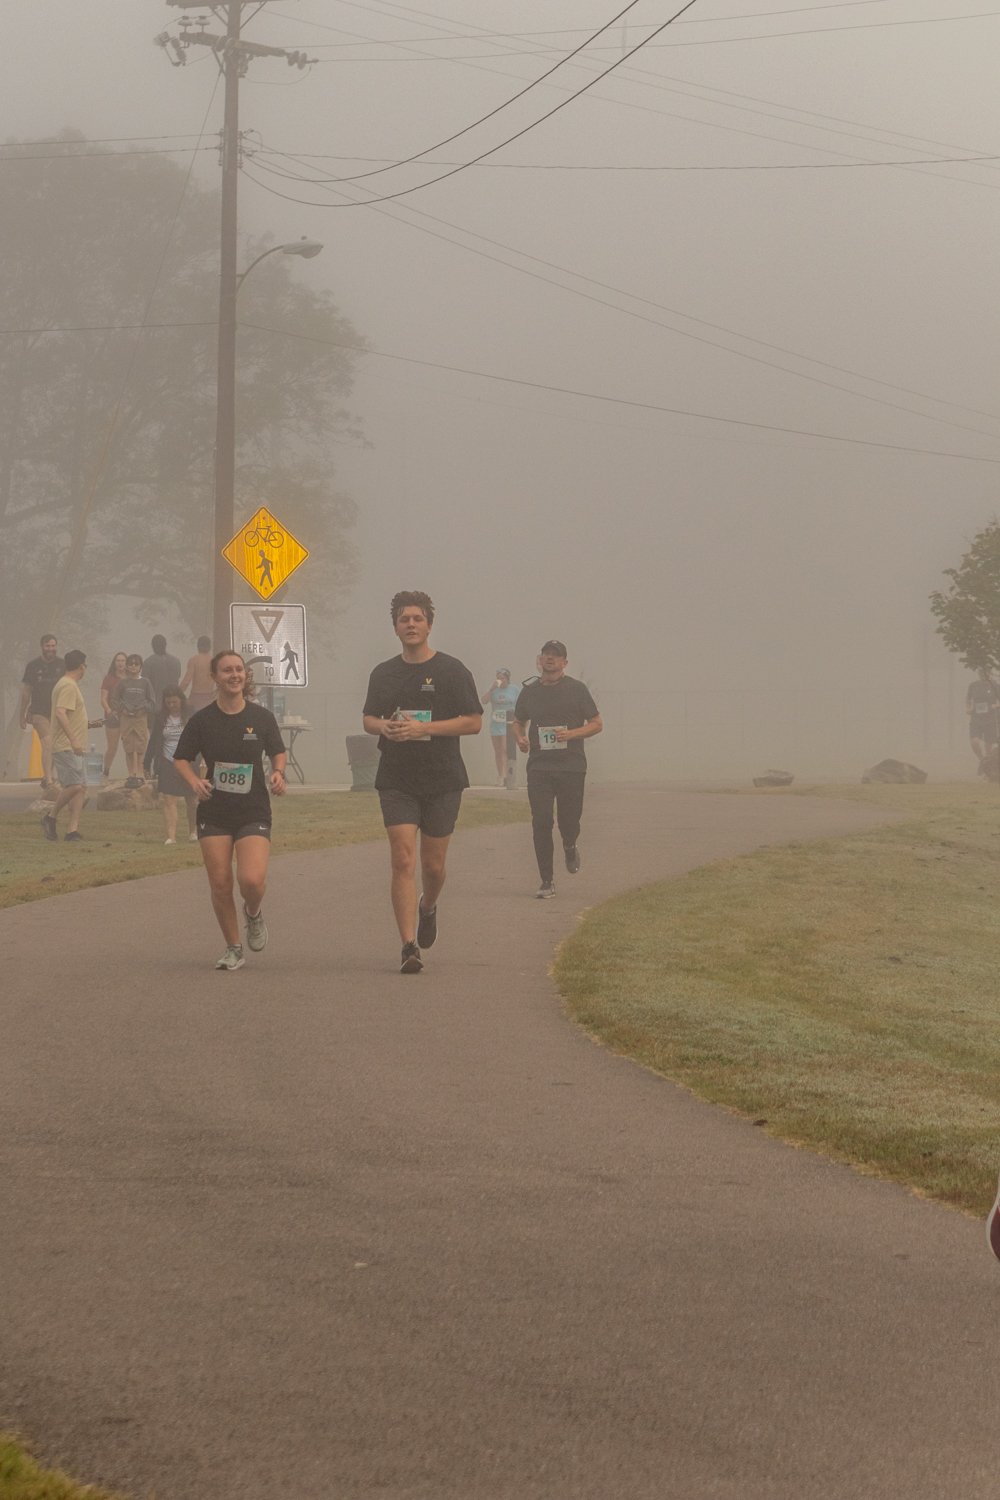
x,y
271,638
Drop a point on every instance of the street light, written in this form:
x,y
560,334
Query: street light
x,y
225,425
306,248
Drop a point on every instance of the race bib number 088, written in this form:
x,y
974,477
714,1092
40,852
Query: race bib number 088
x,y
231,776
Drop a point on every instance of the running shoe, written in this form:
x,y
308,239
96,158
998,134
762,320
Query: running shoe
x,y
192,838
49,827
232,958
73,838
572,854
256,931
427,927
545,890
169,841
993,1226
410,960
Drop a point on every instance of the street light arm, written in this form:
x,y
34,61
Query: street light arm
x,y
244,274
305,248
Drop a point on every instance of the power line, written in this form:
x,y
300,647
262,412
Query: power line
x,y
673,411
107,327
518,36
98,140
513,99
104,155
518,166
641,75
405,192
660,307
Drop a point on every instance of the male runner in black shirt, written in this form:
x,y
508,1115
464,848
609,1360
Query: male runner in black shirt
x,y
562,715
419,704
234,809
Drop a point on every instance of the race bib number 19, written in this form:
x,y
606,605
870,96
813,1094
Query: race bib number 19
x,y
547,737
229,776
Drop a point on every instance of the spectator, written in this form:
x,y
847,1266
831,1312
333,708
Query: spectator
x,y
133,702
166,731
198,677
112,723
40,677
161,670
69,745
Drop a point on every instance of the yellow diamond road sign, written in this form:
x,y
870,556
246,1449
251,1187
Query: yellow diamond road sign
x,y
264,553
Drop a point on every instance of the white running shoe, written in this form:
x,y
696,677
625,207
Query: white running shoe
x,y
256,931
232,958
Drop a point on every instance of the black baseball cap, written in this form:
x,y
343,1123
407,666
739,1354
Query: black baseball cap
x,y
555,648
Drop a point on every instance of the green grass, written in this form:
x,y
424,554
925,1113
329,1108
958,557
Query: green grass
x,y
844,994
21,1478
127,845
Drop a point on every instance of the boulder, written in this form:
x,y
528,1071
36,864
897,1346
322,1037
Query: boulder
x,y
895,772
127,799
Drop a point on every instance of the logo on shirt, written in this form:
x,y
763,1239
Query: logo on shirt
x,y
249,733
427,686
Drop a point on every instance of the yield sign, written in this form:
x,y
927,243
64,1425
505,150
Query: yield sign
x,y
264,553
267,621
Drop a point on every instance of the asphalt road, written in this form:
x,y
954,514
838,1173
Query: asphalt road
x,y
318,1231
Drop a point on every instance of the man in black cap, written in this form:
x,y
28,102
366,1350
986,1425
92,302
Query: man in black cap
x,y
562,714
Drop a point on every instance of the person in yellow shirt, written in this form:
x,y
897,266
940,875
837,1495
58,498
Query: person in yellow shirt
x,y
69,745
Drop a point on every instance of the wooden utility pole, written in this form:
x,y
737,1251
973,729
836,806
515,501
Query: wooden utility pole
x,y
233,64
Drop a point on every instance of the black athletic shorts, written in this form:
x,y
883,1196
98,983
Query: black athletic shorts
x,y
244,830
435,814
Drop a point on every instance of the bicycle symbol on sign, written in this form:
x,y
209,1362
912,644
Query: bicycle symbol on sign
x,y
265,534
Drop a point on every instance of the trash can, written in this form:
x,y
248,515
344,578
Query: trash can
x,y
362,757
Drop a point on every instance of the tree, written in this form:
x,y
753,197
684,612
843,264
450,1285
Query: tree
x,y
968,612
107,396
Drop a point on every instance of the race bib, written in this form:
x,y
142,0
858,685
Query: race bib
x,y
422,715
547,737
499,716
230,776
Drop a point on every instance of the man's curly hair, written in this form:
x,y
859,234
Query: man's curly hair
x,y
415,597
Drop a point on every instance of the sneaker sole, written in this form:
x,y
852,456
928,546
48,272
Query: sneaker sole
x,y
412,965
230,968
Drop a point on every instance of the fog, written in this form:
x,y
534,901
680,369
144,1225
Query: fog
x,y
682,376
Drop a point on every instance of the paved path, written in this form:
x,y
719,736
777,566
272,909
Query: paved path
x,y
319,1232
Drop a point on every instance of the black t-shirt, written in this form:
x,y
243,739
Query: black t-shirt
x,y
983,699
566,704
234,746
41,677
445,689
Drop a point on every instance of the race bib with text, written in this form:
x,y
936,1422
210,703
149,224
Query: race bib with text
x,y
547,737
231,776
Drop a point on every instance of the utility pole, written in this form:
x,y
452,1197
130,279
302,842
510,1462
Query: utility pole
x,y
233,55
233,64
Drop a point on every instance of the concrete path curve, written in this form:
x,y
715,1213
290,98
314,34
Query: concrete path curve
x,y
317,1231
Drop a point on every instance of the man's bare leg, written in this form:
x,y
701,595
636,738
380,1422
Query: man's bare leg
x,y
403,855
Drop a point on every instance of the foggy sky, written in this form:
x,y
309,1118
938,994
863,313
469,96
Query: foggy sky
x,y
672,553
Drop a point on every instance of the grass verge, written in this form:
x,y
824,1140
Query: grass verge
x,y
21,1478
843,994
129,845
